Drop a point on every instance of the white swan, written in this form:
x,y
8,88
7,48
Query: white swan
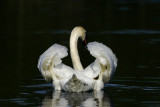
x,y
78,79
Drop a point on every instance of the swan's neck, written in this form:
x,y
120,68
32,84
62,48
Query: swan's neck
x,y
74,52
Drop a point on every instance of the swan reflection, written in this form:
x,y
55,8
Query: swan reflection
x,y
85,99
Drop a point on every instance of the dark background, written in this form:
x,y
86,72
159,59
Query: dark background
x,y
131,28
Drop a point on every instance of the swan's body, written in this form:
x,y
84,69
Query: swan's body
x,y
78,79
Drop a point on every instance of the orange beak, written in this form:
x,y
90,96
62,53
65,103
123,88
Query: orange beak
x,y
85,41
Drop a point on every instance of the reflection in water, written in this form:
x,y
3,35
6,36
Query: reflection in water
x,y
85,99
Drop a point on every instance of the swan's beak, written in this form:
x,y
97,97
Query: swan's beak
x,y
84,43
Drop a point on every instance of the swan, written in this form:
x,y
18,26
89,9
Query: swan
x,y
78,79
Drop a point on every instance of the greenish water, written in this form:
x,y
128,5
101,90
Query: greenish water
x,y
129,28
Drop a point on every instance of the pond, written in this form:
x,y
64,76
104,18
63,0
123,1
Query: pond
x,y
129,28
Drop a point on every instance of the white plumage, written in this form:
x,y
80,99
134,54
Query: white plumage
x,y
78,79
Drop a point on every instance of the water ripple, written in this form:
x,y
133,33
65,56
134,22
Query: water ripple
x,y
38,86
145,88
131,31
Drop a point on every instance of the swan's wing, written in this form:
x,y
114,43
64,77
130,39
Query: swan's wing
x,y
105,63
88,74
50,63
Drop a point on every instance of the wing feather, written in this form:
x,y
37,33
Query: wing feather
x,y
50,63
105,63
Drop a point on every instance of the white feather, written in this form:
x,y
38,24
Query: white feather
x,y
50,58
106,58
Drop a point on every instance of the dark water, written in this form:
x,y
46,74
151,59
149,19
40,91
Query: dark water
x,y
131,28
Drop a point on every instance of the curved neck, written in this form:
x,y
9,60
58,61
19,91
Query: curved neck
x,y
74,52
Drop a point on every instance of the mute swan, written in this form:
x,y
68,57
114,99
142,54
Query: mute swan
x,y
78,79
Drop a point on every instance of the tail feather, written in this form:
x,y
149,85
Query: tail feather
x,y
75,85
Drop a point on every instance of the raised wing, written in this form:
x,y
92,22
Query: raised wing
x,y
104,65
51,66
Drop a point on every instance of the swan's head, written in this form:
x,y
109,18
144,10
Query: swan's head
x,y
79,32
